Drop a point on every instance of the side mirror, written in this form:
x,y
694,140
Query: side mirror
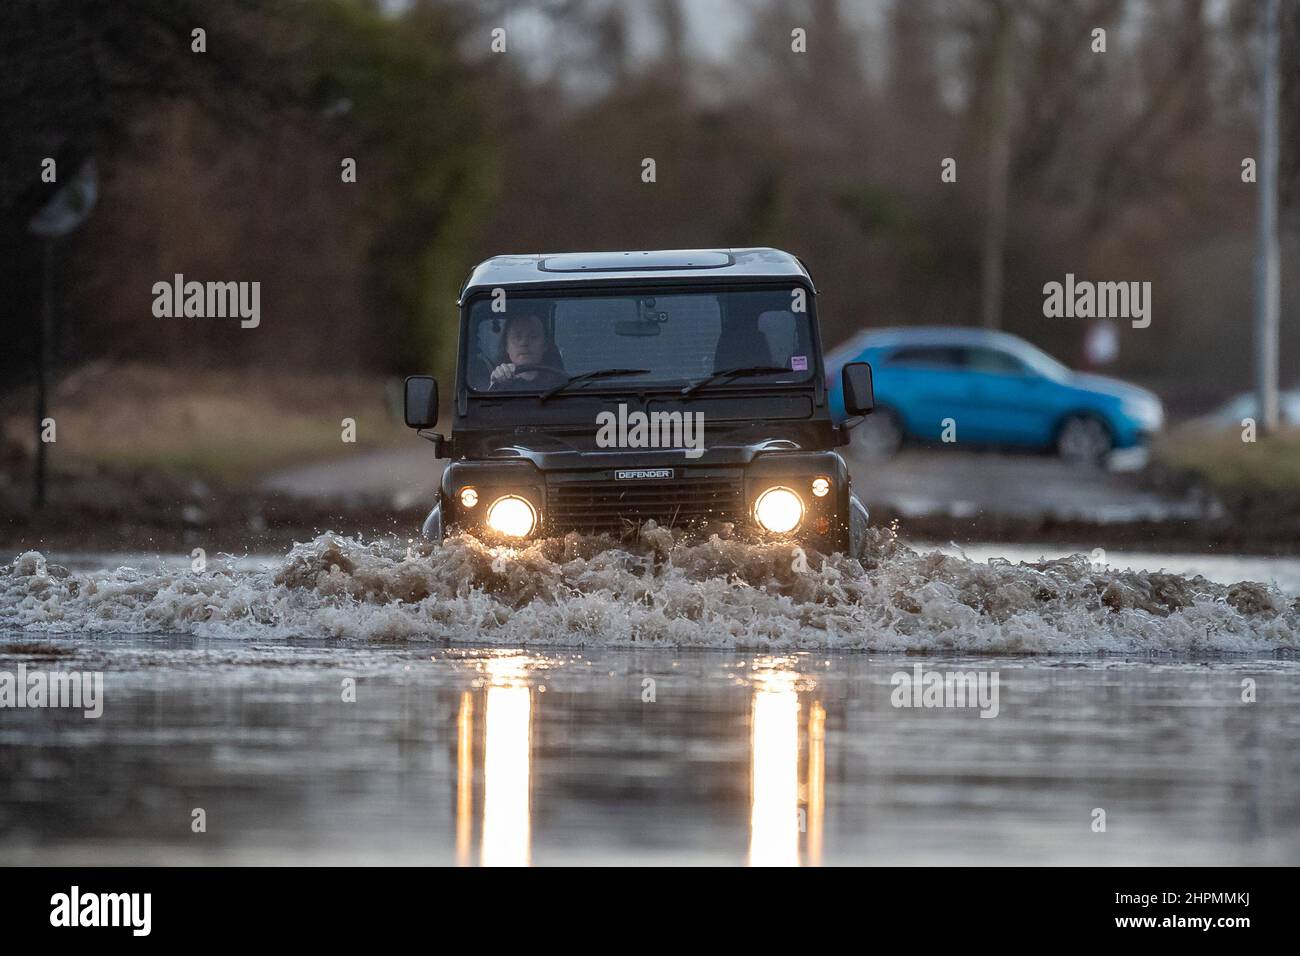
x,y
859,395
421,408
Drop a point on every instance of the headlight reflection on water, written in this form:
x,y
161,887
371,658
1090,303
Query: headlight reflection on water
x,y
780,810
506,838
786,808
506,772
774,807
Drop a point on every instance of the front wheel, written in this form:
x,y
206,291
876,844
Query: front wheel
x,y
859,520
432,528
1083,440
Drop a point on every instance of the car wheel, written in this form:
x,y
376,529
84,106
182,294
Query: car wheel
x,y
1083,440
878,436
859,520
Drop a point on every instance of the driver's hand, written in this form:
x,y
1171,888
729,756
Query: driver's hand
x,y
503,372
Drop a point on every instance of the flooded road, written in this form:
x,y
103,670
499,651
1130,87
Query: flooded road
x,y
659,589
664,701
933,481
1281,571
507,757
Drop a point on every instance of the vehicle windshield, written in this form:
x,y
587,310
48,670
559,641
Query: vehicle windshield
x,y
641,339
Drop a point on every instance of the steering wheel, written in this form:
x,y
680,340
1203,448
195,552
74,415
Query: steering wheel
x,y
541,368
560,374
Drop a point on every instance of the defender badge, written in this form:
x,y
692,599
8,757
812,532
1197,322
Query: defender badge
x,y
643,473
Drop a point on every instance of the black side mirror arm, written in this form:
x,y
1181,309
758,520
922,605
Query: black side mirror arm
x,y
853,421
440,449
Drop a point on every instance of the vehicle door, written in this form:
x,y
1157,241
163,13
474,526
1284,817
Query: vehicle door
x,y
924,384
1007,401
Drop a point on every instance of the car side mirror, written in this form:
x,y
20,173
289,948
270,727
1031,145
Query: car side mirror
x,y
421,405
859,394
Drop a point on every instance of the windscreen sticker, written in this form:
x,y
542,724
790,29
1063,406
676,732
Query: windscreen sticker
x,y
799,363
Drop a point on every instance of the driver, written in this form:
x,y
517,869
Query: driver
x,y
524,342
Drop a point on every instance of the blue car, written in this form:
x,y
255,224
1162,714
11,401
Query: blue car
x,y
997,389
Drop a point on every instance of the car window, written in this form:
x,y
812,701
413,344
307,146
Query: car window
x,y
992,362
926,356
676,337
692,325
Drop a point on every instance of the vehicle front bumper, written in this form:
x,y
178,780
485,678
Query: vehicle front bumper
x,y
696,496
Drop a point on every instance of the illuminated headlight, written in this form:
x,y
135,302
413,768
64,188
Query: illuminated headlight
x,y
778,510
511,516
1149,413
821,487
468,497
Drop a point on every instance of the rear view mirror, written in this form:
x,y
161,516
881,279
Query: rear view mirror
x,y
421,406
859,395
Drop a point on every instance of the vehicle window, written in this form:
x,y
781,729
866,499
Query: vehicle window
x,y
926,356
781,331
680,337
686,330
993,362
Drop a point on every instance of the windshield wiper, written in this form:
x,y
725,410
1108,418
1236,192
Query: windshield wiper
x,y
590,376
732,373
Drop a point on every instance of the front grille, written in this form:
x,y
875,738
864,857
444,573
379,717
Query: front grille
x,y
615,505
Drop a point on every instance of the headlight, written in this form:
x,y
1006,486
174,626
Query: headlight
x,y
468,497
778,510
1149,413
511,516
821,487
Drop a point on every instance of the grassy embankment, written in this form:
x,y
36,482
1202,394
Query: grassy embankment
x,y
1231,467
225,426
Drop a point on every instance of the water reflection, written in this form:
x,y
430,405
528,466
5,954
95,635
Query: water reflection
x,y
774,774
464,778
816,787
781,809
603,775
494,768
505,839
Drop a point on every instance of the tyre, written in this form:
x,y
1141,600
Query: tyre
x,y
1084,440
858,523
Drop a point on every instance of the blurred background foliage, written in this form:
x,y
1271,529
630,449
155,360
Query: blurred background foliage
x,y
225,165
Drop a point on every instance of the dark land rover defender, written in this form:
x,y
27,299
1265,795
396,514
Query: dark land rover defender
x,y
596,391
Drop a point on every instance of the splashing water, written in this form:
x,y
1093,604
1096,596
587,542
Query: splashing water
x,y
661,589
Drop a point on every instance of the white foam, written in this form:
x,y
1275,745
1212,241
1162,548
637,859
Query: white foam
x,y
660,590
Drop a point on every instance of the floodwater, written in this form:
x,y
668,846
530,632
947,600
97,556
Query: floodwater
x,y
653,756
357,702
1284,572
